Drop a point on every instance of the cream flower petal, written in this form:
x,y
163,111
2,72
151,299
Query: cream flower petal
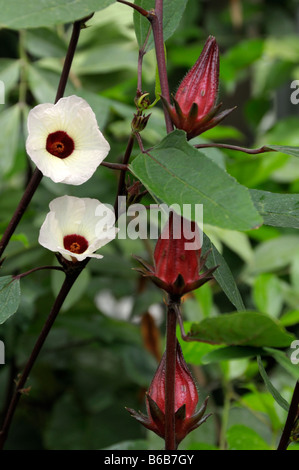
x,y
74,221
73,117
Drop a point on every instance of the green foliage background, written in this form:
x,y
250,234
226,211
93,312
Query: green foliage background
x,y
95,363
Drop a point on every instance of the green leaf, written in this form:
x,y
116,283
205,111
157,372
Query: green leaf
x,y
273,254
278,210
194,351
10,294
172,13
177,173
263,403
22,238
274,392
290,318
230,353
44,42
9,73
240,56
243,329
223,274
267,294
17,14
241,437
10,126
109,58
43,84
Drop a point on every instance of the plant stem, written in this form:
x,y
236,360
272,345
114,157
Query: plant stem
x,y
140,10
290,421
37,174
39,268
171,342
22,206
235,147
115,166
156,19
141,54
66,286
68,59
122,176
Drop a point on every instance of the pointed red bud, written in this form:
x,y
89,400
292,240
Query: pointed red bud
x,y
177,257
195,109
186,399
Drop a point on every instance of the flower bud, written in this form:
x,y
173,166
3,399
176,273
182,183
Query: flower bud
x,y
186,399
139,122
178,265
195,109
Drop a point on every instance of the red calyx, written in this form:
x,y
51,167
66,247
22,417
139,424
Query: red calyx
x,y
195,109
177,267
186,399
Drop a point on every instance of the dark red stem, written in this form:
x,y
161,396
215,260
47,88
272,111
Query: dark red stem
x,y
39,268
66,286
115,166
171,342
122,176
235,147
140,10
156,19
293,414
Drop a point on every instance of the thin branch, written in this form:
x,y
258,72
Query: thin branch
x,y
156,19
69,58
20,276
66,286
141,54
115,166
263,149
293,414
122,176
21,208
171,343
140,10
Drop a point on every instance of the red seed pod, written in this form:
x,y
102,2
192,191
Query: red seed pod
x,y
195,109
186,400
177,264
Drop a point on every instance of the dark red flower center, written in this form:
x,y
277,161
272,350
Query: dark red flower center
x,y
75,243
60,144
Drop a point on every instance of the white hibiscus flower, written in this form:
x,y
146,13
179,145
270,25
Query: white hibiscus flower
x,y
64,140
77,227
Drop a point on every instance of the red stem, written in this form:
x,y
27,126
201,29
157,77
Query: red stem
x,y
156,19
171,341
235,147
290,421
122,177
66,286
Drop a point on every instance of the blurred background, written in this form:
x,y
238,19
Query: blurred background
x,y
105,345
